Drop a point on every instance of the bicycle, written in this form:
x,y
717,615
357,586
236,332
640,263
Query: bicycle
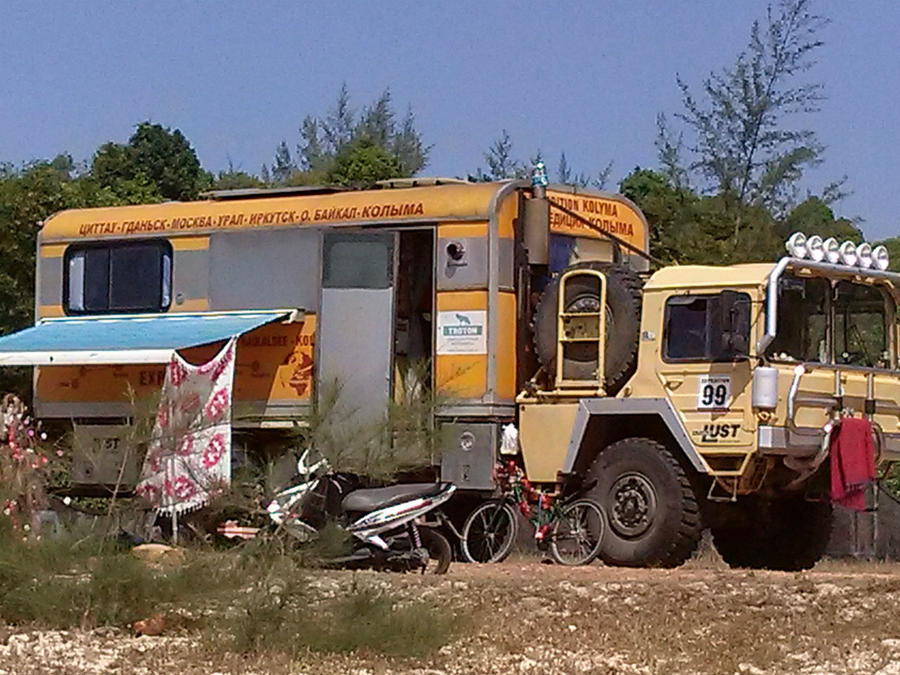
x,y
565,522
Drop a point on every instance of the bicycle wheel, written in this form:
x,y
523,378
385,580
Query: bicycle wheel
x,y
577,534
489,532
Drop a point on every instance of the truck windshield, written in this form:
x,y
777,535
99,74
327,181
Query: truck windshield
x,y
831,322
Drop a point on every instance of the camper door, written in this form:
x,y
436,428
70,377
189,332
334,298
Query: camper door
x,y
355,345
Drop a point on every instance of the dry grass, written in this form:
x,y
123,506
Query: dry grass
x,y
691,620
264,605
523,616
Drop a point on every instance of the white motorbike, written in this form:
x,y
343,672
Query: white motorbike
x,y
387,525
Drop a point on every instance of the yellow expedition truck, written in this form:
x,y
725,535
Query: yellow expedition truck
x,y
695,396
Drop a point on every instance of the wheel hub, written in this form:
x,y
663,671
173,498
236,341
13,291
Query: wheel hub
x,y
633,504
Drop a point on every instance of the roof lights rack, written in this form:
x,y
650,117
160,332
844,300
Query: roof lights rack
x,y
829,250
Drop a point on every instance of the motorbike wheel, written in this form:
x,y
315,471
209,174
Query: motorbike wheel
x,y
489,532
439,551
577,534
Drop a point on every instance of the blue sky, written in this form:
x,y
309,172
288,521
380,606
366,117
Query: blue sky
x,y
588,78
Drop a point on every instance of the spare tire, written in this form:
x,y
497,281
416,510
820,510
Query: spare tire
x,y
623,322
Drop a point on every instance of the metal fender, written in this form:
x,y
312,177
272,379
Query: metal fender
x,y
590,408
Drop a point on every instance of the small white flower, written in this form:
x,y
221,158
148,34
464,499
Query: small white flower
x,y
67,500
27,527
43,435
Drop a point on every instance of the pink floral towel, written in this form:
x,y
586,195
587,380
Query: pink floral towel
x,y
189,455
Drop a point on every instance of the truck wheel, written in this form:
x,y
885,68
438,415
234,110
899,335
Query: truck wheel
x,y
651,510
788,534
623,320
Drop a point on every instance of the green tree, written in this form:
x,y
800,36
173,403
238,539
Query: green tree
x,y
500,161
745,141
687,228
814,216
674,215
155,157
566,175
362,163
236,180
283,165
406,144
338,147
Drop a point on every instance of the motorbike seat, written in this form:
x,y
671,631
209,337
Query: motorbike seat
x,y
373,499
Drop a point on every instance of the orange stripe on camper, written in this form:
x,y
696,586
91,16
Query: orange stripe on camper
x,y
53,250
190,243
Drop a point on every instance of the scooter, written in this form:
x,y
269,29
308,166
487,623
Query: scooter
x,y
386,525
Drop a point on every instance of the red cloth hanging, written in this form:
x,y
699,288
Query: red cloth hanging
x,y
852,462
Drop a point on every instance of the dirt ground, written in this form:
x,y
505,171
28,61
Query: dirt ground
x,y
526,617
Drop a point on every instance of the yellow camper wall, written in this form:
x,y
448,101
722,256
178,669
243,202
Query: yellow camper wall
x,y
50,255
506,346
274,363
464,375
461,375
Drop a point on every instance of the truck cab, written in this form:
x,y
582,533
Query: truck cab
x,y
741,373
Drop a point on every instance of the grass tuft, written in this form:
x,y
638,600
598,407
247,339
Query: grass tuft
x,y
363,619
267,603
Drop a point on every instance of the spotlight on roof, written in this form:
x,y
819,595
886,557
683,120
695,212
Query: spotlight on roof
x,y
881,259
864,255
848,253
831,247
815,248
830,251
796,245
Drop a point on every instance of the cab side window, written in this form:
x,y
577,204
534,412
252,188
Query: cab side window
x,y
704,327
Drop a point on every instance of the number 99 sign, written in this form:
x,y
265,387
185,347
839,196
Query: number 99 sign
x,y
714,392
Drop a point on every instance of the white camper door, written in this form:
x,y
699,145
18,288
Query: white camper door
x,y
355,342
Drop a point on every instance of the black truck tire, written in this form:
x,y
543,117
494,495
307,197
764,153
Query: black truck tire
x,y
623,308
789,534
651,510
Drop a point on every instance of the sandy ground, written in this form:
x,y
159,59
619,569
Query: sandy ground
x,y
525,617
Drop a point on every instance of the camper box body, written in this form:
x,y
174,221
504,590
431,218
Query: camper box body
x,y
368,283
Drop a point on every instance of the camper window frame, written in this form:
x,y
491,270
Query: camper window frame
x,y
164,292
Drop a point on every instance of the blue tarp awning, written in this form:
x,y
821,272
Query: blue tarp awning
x,y
119,339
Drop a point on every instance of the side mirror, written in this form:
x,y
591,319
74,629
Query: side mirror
x,y
735,322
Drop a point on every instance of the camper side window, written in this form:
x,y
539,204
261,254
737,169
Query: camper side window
x,y
123,277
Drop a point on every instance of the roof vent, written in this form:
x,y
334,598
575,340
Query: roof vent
x,y
419,182
264,193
